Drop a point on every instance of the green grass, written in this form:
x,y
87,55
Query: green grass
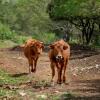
x,y
6,92
6,78
61,96
9,80
57,96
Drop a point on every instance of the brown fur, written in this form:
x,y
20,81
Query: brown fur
x,y
59,56
32,50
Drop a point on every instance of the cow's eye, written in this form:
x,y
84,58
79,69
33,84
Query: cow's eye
x,y
65,47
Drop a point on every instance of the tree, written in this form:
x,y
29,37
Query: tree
x,y
25,16
81,13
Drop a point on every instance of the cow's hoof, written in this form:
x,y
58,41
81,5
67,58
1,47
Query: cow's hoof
x,y
33,70
64,81
59,82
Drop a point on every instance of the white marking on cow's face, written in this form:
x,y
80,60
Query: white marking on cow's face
x,y
59,57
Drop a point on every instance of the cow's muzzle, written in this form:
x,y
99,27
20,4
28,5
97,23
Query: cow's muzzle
x,y
59,58
39,51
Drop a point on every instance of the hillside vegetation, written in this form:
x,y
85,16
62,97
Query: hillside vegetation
x,y
49,20
26,18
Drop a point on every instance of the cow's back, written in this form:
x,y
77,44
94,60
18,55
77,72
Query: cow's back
x,y
27,48
27,51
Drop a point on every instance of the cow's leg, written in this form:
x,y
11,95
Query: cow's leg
x,y
29,68
59,75
35,63
53,70
59,70
64,74
30,65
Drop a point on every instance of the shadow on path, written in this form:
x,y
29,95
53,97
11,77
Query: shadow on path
x,y
19,75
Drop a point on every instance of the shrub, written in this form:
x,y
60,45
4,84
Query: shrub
x,y
5,32
19,39
46,37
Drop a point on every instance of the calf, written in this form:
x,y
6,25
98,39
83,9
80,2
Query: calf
x,y
32,50
59,55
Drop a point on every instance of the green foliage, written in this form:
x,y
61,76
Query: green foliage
x,y
45,37
74,8
84,14
6,92
27,16
97,40
5,32
20,39
24,16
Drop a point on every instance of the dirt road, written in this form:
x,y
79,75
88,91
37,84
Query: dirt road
x,y
83,72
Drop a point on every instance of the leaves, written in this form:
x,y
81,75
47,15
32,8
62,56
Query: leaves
x,y
72,8
84,14
25,15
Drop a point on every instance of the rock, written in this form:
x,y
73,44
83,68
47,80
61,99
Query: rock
x,y
42,96
22,93
20,58
57,91
97,66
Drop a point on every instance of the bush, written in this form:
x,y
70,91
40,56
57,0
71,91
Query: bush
x,y
19,39
5,32
96,40
46,37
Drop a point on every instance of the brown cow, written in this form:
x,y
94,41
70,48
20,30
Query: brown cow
x,y
59,55
32,50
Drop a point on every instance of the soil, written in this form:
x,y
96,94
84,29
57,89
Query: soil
x,y
83,72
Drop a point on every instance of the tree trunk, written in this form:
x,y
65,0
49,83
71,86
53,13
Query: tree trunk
x,y
87,30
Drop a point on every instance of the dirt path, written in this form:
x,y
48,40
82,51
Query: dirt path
x,y
83,73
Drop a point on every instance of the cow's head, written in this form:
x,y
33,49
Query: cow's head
x,y
58,50
37,46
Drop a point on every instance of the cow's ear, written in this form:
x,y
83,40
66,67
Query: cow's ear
x,y
51,46
65,47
